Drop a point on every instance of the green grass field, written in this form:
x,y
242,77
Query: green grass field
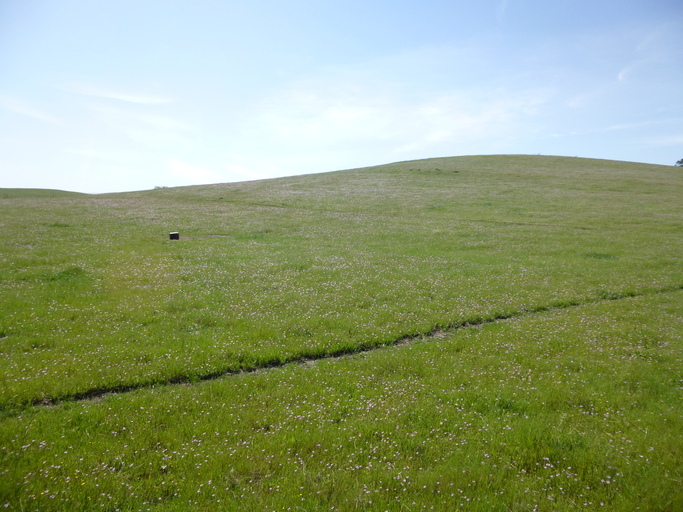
x,y
472,333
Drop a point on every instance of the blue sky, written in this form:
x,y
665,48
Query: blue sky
x,y
99,96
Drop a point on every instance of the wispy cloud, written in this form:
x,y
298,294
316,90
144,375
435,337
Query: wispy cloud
x,y
627,71
107,93
666,140
240,173
631,126
334,114
500,10
192,173
133,114
24,108
636,129
99,154
656,50
148,128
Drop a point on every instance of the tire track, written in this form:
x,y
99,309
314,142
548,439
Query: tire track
x,y
435,333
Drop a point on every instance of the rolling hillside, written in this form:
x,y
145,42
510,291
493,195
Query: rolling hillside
x,y
563,271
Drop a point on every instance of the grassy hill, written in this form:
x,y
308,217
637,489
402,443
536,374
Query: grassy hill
x,y
529,308
35,193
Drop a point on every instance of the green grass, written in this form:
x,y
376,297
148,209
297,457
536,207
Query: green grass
x,y
575,399
554,411
35,193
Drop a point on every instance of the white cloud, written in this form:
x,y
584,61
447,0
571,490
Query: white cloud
x,y
136,124
24,108
128,97
133,113
500,10
629,126
242,173
192,174
334,115
99,154
628,71
665,141
657,49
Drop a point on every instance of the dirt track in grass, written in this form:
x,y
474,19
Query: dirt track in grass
x,y
438,333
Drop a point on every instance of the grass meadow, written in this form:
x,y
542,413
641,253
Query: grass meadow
x,y
474,333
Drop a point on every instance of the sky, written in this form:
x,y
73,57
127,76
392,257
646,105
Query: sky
x,y
100,96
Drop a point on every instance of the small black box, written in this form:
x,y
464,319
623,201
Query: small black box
x,y
174,235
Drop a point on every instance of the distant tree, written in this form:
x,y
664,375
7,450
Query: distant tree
x,y
679,163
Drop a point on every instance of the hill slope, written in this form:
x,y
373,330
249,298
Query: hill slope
x,y
271,271
25,193
480,333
